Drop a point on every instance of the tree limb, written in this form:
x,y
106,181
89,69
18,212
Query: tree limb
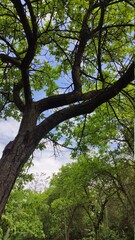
x,y
84,37
7,59
16,96
85,107
64,99
23,18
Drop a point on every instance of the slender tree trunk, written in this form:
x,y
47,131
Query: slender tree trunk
x,y
66,232
67,236
96,233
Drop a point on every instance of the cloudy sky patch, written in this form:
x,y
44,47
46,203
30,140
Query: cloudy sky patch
x,y
44,161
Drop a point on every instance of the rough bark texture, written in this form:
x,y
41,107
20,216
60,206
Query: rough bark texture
x,y
14,156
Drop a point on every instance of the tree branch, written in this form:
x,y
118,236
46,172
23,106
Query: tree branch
x,y
84,37
62,50
9,45
117,26
26,87
33,18
64,99
20,11
16,96
30,35
101,21
7,59
85,107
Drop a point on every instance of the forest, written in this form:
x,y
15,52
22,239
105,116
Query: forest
x,y
67,78
92,198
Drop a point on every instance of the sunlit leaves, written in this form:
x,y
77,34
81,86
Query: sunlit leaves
x,y
59,24
44,78
21,219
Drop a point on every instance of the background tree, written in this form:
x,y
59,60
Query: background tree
x,y
91,198
21,220
76,54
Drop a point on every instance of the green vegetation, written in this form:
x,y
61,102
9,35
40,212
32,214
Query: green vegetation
x,y
67,75
90,199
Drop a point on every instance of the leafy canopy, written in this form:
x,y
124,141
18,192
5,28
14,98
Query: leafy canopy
x,y
97,33
59,60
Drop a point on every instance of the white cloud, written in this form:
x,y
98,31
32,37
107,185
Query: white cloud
x,y
45,161
8,130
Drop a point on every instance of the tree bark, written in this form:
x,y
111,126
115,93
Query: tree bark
x,y
16,154
14,157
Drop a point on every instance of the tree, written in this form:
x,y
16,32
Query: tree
x,y
74,53
21,220
91,198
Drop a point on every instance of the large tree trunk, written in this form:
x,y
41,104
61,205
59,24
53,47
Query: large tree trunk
x,y
14,156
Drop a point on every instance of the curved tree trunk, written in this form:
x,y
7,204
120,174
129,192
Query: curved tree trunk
x,y
14,156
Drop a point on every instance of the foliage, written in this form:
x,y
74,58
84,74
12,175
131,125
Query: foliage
x,y
61,60
92,198
57,36
22,220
